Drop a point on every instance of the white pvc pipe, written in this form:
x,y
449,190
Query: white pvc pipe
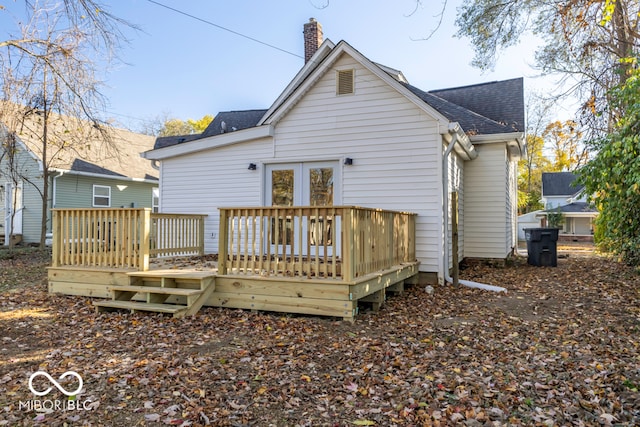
x,y
453,131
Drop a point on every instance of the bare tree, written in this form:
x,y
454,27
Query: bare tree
x,y
50,87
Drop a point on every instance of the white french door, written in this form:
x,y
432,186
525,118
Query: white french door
x,y
303,184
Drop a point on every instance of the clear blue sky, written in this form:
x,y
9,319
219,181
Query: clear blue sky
x,y
187,68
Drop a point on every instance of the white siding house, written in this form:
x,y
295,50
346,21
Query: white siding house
x,y
562,192
386,144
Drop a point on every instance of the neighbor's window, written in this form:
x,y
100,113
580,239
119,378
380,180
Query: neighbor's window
x,y
101,196
344,82
155,203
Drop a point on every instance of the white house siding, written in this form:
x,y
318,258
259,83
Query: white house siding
x,y
456,183
511,220
395,148
202,182
485,236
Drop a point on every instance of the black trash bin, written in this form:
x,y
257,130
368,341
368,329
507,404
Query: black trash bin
x,y
542,246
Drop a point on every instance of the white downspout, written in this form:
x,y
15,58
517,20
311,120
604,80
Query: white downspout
x,y
55,186
453,131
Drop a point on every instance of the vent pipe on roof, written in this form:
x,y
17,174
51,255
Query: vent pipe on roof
x,y
312,38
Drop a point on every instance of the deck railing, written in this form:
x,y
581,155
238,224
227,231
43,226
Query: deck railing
x,y
122,238
176,234
339,242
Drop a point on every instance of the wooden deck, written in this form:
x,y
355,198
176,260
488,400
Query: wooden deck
x,y
324,261
287,295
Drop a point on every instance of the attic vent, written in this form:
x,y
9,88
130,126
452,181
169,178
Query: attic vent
x,y
344,82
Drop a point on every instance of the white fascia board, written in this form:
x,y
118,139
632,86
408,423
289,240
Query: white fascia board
x,y
514,141
497,137
574,214
215,141
323,51
327,64
102,175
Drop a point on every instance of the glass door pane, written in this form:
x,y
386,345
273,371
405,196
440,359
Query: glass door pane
x,y
282,187
282,194
321,186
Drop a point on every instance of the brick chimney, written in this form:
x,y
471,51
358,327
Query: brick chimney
x,y
312,38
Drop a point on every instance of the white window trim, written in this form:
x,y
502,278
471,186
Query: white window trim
x,y
93,200
155,194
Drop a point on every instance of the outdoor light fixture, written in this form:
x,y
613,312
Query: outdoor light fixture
x,y
252,166
348,161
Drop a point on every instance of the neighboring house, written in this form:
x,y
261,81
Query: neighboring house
x,y
87,175
370,139
529,220
561,191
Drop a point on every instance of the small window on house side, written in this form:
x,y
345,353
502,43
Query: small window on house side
x,y
101,196
344,82
155,202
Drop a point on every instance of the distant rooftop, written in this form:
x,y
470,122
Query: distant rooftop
x,y
560,184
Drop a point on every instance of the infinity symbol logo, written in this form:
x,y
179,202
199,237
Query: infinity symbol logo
x,y
55,383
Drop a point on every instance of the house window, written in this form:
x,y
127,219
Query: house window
x,y
101,196
344,82
155,201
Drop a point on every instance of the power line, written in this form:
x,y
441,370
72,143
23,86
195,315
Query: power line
x,y
224,28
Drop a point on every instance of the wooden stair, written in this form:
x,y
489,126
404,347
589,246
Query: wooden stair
x,y
156,287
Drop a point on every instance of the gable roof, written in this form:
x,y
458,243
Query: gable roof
x,y
288,100
88,152
560,184
470,106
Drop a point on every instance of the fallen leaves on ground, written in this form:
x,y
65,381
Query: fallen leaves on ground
x,y
22,266
560,348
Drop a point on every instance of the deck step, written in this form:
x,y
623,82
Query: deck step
x,y
176,310
157,295
157,290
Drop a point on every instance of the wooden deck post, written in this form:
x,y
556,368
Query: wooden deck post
x,y
348,250
201,234
145,245
223,239
57,239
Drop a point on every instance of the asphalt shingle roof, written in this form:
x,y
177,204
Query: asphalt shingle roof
x,y
472,122
76,145
233,120
500,101
167,141
577,207
560,184
225,121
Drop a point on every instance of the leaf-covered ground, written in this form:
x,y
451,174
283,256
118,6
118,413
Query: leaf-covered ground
x,y
560,348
